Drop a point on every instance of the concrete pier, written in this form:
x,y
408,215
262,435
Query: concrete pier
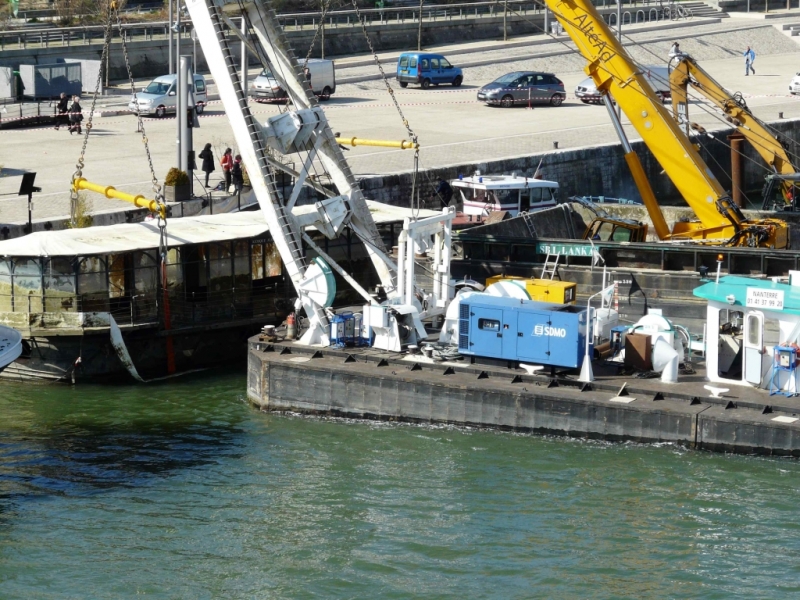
x,y
363,383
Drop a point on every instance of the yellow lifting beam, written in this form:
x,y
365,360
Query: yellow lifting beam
x,y
110,192
354,141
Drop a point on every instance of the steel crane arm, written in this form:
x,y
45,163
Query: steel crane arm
x,y
614,72
685,71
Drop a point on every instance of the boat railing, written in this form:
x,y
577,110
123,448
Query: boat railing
x,y
186,308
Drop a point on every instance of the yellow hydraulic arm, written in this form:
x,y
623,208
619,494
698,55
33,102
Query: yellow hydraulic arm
x,y
108,191
720,221
685,72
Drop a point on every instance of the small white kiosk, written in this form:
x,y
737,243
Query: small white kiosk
x,y
752,332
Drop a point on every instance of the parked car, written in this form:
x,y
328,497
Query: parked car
x,y
523,87
426,70
321,75
658,77
794,85
159,98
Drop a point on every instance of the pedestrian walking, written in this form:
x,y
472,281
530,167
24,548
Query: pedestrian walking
x,y
75,116
208,161
749,59
237,175
227,164
62,108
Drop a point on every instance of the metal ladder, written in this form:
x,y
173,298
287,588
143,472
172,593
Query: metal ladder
x,y
529,222
288,227
548,269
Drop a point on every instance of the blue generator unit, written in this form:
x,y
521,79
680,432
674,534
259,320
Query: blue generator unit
x,y
522,330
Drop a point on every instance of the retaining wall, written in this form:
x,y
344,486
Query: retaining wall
x,y
598,170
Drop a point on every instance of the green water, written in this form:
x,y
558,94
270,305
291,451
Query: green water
x,y
182,490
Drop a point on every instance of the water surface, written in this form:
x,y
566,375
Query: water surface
x,y
182,490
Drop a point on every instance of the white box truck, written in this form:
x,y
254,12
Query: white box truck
x,y
321,74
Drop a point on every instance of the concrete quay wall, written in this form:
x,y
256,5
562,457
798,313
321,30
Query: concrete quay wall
x,y
597,170
325,382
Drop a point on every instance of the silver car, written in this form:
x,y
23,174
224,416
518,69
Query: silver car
x,y
523,88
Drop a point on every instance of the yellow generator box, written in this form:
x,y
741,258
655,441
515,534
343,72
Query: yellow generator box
x,y
543,290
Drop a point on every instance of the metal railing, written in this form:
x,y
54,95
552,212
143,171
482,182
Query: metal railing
x,y
186,308
83,35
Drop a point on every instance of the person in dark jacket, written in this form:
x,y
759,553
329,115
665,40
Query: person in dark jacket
x,y
208,161
61,110
444,192
75,116
236,174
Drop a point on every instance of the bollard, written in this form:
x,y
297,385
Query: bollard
x,y
555,144
780,115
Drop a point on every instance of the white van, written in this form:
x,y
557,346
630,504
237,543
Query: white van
x,y
321,74
159,98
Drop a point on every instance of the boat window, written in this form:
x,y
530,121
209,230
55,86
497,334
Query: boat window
x,y
241,258
753,332
195,265
92,284
541,194
5,284
266,261
145,276
59,285
489,324
116,276
505,196
27,285
219,267
174,268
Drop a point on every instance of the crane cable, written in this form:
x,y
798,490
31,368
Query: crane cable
x,y
113,11
415,199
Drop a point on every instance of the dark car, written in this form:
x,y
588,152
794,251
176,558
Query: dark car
x,y
524,87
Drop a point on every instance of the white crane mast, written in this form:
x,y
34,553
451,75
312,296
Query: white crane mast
x,y
304,129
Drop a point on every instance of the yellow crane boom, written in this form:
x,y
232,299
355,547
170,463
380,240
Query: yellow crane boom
x,y
685,72
720,221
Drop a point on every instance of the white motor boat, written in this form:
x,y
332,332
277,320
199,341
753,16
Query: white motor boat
x,y
10,346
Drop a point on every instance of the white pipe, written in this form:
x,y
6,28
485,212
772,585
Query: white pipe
x,y
409,268
401,259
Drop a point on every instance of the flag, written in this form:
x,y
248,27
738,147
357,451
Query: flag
x,y
607,295
538,173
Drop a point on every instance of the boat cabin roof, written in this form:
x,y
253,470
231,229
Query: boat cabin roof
x,y
732,290
502,182
127,237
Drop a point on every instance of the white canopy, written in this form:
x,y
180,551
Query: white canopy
x,y
113,239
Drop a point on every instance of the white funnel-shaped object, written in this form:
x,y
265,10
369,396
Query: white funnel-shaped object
x,y
665,361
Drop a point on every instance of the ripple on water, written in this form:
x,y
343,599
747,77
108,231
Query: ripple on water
x,y
182,490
